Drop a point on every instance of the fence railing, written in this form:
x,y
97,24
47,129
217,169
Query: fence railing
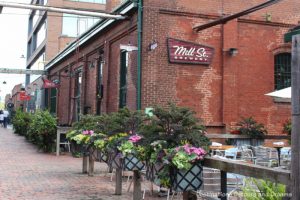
x,y
246,169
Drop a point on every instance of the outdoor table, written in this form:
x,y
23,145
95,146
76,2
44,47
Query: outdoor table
x,y
221,148
278,148
60,130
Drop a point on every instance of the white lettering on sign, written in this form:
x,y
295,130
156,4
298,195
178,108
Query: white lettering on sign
x,y
182,51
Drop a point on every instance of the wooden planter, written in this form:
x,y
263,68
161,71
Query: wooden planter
x,y
152,172
187,180
131,163
102,156
115,159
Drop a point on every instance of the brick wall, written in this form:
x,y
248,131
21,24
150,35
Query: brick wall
x,y
229,88
109,42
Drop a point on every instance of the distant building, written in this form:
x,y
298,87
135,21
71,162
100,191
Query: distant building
x,y
7,99
49,33
15,97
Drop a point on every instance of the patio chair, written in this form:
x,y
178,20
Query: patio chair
x,y
231,153
247,155
285,158
265,156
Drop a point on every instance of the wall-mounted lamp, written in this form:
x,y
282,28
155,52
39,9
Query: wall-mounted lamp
x,y
233,51
153,45
91,64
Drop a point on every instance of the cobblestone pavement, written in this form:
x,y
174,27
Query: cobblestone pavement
x,y
27,174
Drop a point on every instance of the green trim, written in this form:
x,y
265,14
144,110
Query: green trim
x,y
139,59
288,36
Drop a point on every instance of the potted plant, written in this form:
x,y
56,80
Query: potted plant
x,y
168,129
256,131
182,168
132,153
287,128
185,167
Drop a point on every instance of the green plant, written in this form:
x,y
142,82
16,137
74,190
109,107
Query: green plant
x,y
174,125
42,131
248,126
132,146
287,127
21,122
183,157
255,189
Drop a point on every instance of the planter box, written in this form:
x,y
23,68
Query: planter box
x,y
103,157
187,180
152,172
132,163
114,160
75,148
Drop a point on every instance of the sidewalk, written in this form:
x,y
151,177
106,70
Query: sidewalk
x,y
26,174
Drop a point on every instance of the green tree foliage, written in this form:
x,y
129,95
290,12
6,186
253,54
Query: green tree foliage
x,y
42,131
21,122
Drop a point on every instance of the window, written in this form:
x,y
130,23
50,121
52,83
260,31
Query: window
x,y
99,82
282,70
123,79
39,64
92,1
78,82
53,92
74,25
35,17
41,34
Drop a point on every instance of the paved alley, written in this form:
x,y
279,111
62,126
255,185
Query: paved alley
x,y
27,174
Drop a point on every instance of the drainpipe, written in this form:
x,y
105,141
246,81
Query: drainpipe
x,y
139,56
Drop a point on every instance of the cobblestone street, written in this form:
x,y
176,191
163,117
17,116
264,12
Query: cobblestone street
x,y
27,174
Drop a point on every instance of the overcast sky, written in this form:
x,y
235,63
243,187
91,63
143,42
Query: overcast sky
x,y
13,34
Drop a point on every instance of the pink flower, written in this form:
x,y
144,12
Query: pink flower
x,y
88,132
135,138
91,132
85,132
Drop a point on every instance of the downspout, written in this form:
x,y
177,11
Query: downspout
x,y
139,56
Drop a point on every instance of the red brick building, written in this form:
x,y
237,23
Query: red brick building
x,y
99,72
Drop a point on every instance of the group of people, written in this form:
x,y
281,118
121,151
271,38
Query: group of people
x,y
4,118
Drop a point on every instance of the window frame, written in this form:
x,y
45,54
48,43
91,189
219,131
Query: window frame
x,y
282,70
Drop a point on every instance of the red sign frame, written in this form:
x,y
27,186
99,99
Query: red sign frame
x,y
180,51
24,96
49,84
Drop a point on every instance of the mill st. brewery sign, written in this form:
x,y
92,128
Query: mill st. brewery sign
x,y
190,53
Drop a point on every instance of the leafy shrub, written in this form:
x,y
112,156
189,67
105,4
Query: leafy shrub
x,y
176,125
287,127
21,122
42,131
248,126
262,190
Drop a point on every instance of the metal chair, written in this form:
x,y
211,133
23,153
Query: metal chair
x,y
265,156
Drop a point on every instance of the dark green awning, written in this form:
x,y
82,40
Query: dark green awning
x,y
288,36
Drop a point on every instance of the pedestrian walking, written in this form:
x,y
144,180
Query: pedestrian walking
x,y
5,119
1,118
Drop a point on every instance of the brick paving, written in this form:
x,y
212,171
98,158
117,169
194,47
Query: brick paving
x,y
27,174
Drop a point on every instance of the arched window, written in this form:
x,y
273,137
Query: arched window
x,y
282,70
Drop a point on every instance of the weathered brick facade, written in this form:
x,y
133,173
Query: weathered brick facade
x,y
229,88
